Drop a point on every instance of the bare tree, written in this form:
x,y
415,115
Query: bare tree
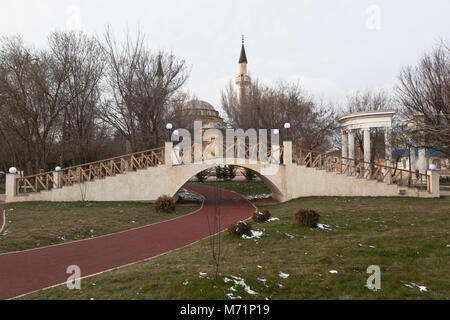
x,y
424,93
80,120
32,90
264,107
141,88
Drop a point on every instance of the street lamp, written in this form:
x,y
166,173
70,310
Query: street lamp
x,y
276,131
12,170
287,126
58,168
169,127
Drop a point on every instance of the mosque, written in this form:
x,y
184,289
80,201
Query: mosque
x,y
199,110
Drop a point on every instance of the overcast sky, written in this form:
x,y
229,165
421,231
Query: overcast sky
x,y
332,47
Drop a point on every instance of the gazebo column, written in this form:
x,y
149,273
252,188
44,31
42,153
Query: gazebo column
x,y
422,163
351,146
388,146
366,146
344,145
412,158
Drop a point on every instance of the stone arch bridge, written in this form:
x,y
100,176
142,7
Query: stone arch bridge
x,y
144,176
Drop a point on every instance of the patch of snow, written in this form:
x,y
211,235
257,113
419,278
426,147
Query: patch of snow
x,y
240,282
289,235
323,226
283,275
259,196
333,271
232,297
273,219
412,285
372,247
256,234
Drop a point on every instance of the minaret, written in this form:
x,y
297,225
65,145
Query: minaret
x,y
242,80
159,72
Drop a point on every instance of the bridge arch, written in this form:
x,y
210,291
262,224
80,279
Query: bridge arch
x,y
272,181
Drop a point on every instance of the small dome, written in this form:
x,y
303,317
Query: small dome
x,y
200,105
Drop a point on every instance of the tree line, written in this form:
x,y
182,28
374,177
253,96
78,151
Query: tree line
x,y
83,98
86,98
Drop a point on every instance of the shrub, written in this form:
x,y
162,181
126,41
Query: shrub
x,y
261,215
229,173
202,176
249,175
220,173
307,218
165,204
240,228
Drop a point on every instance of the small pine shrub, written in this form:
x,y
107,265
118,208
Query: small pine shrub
x,y
165,204
261,215
240,228
307,218
249,175
229,173
220,173
202,176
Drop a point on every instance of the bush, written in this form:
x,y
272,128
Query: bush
x,y
165,204
249,175
220,173
307,218
202,176
261,215
240,228
229,173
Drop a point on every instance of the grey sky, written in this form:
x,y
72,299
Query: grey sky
x,y
333,47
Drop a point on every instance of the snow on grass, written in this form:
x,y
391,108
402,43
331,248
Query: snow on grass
x,y
412,285
273,219
239,282
283,275
289,235
256,234
324,227
333,271
232,297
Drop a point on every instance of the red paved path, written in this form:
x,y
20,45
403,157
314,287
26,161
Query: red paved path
x,y
31,270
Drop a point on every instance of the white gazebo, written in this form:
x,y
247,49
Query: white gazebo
x,y
365,121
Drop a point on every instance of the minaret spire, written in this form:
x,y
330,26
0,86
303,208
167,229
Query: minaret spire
x,y
243,80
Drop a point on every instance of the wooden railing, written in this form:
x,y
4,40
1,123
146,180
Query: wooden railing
x,y
361,169
90,171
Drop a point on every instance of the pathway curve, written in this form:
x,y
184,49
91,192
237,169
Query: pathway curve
x,y
27,271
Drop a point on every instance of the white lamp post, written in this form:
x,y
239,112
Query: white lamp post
x,y
287,126
169,127
58,168
12,170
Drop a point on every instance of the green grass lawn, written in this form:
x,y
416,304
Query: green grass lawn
x,y
408,238
242,187
37,224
